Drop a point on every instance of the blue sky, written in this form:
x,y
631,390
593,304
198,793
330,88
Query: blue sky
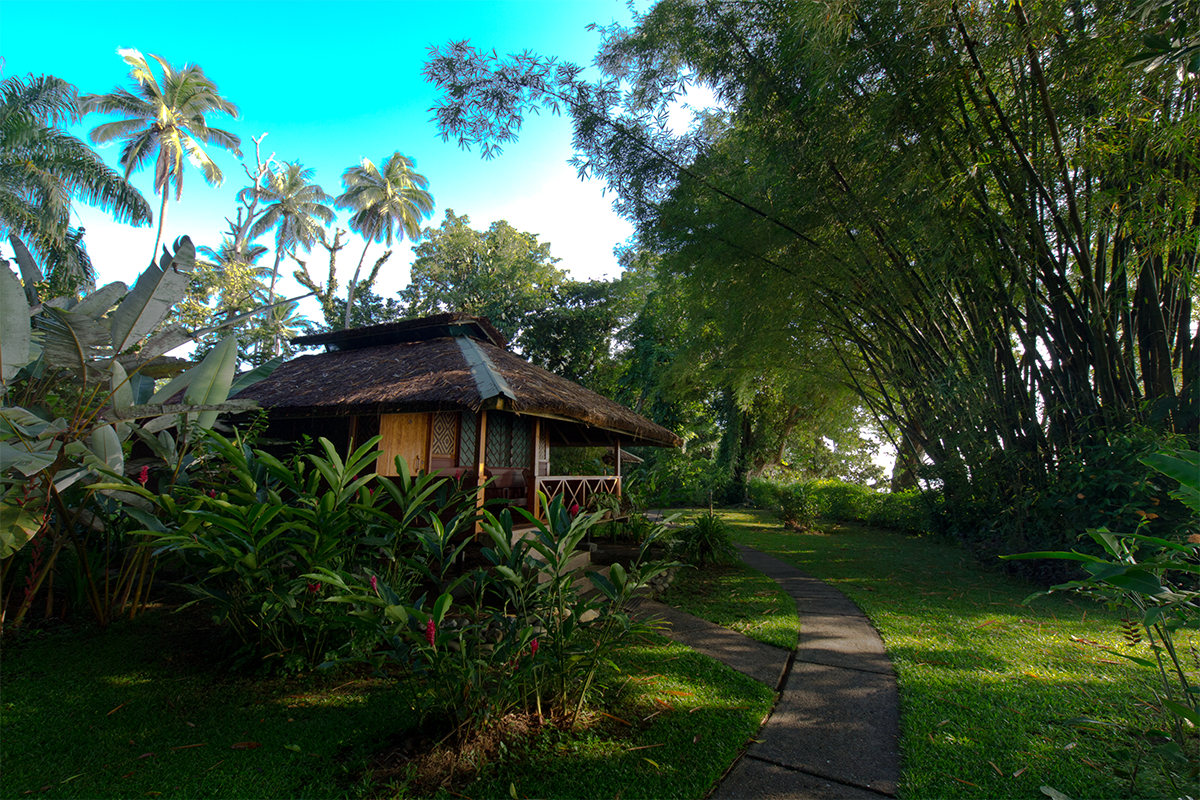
x,y
330,83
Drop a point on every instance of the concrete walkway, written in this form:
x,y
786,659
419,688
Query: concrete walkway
x,y
835,728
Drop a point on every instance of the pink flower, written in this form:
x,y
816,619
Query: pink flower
x,y
144,476
314,587
430,631
374,584
533,646
574,509
212,493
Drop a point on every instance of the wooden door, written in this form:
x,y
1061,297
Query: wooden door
x,y
404,435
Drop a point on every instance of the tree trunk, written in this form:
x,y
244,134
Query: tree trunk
x,y
162,218
353,283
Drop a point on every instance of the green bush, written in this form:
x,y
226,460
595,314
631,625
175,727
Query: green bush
x,y
705,541
521,635
1103,483
247,541
763,493
908,511
844,502
797,507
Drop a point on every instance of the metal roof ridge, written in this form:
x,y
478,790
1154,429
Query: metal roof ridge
x,y
488,379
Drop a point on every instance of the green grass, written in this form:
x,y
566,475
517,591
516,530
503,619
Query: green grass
x,y
986,683
688,716
137,712
739,598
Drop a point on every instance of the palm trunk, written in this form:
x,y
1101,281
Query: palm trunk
x,y
271,291
353,283
162,218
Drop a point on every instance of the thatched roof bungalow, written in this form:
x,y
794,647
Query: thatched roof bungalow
x,y
446,393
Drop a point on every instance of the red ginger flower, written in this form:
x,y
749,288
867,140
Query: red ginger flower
x,y
430,631
374,584
574,509
533,646
144,476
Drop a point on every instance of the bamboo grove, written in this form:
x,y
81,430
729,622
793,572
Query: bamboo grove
x,y
984,213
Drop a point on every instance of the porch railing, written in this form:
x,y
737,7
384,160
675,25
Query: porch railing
x,y
575,488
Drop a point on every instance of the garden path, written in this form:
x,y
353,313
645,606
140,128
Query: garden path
x,y
835,729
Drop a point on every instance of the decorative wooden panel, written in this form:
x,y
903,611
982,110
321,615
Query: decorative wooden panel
x,y
364,427
499,440
468,429
444,441
404,435
520,446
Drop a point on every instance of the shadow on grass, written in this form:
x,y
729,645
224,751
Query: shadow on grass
x,y
138,711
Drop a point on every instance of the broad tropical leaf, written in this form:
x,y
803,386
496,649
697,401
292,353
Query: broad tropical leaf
x,y
212,379
14,325
159,288
97,304
72,341
17,526
30,456
31,275
106,446
255,375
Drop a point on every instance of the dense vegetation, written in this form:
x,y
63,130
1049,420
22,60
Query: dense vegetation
x,y
978,220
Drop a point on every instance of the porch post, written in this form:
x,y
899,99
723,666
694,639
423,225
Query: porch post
x,y
531,490
617,462
480,468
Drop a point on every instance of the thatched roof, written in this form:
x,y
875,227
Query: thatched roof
x,y
449,373
416,329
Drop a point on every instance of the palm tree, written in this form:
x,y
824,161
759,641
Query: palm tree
x,y
388,202
43,168
164,120
297,210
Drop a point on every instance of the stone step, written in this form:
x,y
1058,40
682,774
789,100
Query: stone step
x,y
584,585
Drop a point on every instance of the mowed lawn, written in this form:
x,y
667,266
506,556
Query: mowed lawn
x,y
988,684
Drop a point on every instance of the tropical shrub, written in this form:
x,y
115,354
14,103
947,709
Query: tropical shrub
x,y
247,541
797,507
705,540
909,511
75,396
762,493
1101,483
520,635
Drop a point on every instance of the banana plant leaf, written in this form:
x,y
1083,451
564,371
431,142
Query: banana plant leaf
x,y
73,341
98,303
248,379
159,288
17,526
31,275
213,378
14,326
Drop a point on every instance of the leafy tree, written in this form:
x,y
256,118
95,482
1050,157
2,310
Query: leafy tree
x,y
388,201
985,217
226,283
164,119
503,274
42,168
